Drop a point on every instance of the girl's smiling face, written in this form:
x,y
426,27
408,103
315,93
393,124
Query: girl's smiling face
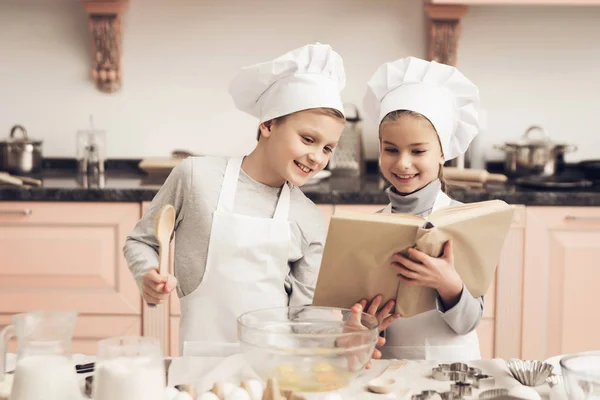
x,y
410,151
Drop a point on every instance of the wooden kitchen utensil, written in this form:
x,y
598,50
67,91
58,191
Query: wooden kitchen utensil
x,y
11,180
386,382
19,180
473,175
164,222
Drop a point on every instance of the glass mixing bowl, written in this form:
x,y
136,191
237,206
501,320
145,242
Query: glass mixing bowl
x,y
308,349
581,375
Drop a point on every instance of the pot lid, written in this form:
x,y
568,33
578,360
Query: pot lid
x,y
542,141
23,139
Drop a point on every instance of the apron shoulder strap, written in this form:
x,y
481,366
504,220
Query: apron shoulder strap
x,y
387,209
442,200
229,187
282,210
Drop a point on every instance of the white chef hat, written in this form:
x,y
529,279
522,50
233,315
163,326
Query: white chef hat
x,y
311,76
437,91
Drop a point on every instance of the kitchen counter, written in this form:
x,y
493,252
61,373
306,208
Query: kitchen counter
x,y
129,185
415,376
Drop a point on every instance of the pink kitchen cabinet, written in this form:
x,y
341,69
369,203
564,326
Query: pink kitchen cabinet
x,y
508,295
59,255
517,2
561,281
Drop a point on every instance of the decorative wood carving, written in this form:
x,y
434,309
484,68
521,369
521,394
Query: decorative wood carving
x,y
444,32
105,27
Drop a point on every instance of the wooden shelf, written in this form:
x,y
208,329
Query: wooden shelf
x,y
517,2
105,27
444,21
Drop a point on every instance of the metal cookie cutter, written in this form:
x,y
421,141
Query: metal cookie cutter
x,y
448,396
458,376
461,389
471,373
482,381
447,372
492,393
440,373
460,367
427,395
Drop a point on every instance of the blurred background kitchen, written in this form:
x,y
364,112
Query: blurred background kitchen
x,y
164,88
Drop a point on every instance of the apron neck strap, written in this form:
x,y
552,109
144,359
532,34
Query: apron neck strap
x,y
230,180
229,187
282,211
442,200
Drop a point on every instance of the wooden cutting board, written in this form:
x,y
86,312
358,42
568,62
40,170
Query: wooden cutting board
x,y
159,165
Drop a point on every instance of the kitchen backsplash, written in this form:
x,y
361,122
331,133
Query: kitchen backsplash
x,y
534,65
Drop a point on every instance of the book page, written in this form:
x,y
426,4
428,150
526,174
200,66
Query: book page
x,y
402,219
357,259
457,213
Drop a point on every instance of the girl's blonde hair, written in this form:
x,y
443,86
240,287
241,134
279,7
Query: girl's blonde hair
x,y
330,112
396,115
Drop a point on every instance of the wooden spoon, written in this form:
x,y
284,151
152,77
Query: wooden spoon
x,y
164,222
386,382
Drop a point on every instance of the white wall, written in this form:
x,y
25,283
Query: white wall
x,y
534,65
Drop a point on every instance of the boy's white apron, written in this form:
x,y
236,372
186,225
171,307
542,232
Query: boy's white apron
x,y
246,267
427,336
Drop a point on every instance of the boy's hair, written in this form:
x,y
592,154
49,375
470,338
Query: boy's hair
x,y
330,112
396,115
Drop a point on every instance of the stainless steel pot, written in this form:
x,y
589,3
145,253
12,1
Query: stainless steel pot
x,y
20,155
529,156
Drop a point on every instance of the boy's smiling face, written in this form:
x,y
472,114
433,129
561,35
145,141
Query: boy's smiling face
x,y
300,144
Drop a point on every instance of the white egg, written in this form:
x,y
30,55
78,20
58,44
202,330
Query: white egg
x,y
208,396
332,396
171,392
183,396
255,388
237,394
524,392
228,388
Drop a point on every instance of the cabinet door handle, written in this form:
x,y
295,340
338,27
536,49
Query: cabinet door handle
x,y
26,211
583,218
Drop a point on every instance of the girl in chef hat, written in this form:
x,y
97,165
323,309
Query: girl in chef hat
x,y
247,237
427,114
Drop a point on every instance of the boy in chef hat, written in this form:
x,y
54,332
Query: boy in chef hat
x,y
427,114
247,237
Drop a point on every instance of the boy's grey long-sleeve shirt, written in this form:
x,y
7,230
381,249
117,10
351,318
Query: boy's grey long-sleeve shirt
x,y
193,189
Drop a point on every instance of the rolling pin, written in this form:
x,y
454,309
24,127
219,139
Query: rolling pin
x,y
472,175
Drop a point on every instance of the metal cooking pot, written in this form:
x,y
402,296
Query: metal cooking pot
x,y
20,155
534,156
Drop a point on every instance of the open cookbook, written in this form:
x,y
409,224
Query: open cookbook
x,y
359,248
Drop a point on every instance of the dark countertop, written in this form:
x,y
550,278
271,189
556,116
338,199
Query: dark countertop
x,y
123,182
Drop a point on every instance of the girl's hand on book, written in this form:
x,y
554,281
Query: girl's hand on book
x,y
436,273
